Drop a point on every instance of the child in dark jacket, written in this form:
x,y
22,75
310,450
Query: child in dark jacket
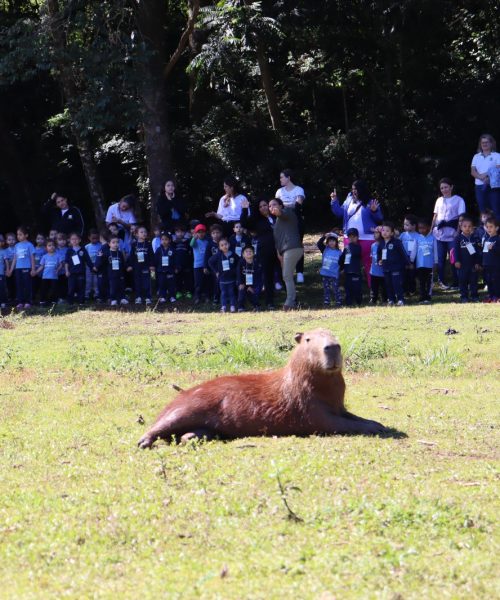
x,y
393,259
224,265
377,279
76,261
328,245
111,260
165,270
491,259
211,250
468,259
248,279
183,256
238,240
141,264
350,262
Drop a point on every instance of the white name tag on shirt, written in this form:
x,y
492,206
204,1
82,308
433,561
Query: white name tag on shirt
x,y
21,254
115,264
75,259
140,257
238,250
327,262
249,278
487,246
426,251
411,245
164,261
471,248
384,254
347,260
225,265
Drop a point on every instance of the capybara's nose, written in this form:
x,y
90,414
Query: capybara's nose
x,y
332,349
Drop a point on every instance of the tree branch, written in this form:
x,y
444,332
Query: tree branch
x,y
183,40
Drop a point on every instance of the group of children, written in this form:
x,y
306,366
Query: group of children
x,y
206,266
399,260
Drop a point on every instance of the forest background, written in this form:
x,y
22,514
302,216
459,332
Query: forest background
x,y
103,98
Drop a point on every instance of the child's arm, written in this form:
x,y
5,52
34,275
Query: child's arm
x,y
33,266
321,244
12,265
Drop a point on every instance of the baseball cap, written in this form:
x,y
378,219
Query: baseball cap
x,y
200,227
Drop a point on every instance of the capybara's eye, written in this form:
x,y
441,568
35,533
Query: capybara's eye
x,y
308,339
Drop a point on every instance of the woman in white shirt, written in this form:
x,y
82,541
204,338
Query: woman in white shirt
x,y
444,226
483,162
293,196
122,214
229,209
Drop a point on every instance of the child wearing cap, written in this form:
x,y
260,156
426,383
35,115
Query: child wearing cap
x,y
350,261
377,280
328,245
199,245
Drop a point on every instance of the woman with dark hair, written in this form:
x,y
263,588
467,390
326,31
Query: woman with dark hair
x,y
62,216
485,169
288,245
122,214
293,196
229,209
444,226
171,209
261,222
362,212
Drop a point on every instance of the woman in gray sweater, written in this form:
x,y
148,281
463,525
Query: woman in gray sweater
x,y
288,245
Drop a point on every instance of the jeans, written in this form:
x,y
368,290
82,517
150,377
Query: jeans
x,y
201,283
377,285
467,277
290,259
76,287
24,289
331,288
245,294
443,249
227,294
394,285
91,284
116,288
483,196
166,284
424,275
353,289
142,283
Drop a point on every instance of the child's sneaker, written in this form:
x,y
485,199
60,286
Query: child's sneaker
x,y
27,305
242,309
300,277
123,301
20,306
172,299
390,303
189,295
148,302
138,300
400,303
114,303
223,309
278,286
178,295
3,305
232,309
161,300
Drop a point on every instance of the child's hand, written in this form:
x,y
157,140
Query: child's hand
x,y
152,269
33,273
241,286
67,273
245,203
458,265
477,267
251,290
380,263
129,269
333,195
94,269
205,271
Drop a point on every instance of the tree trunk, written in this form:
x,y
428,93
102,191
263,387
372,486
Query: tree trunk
x,y
268,87
70,92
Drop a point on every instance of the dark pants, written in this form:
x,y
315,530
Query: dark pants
x,y
245,294
424,275
492,279
62,286
103,286
227,294
201,283
49,290
269,262
410,282
116,288
184,280
443,249
353,290
142,283
331,290
11,288
76,288
377,285
24,289
3,290
467,281
394,285
166,285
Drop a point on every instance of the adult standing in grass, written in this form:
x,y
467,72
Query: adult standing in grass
x,y
444,226
485,168
171,208
122,214
229,209
288,245
362,212
62,216
293,196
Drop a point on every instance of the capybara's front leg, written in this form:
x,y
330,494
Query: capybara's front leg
x,y
367,422
198,434
326,422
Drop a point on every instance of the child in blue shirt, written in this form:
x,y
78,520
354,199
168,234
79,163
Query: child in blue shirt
x,y
350,262
211,250
23,266
491,259
199,244
4,266
248,279
425,260
409,239
10,252
48,270
75,263
224,265
165,270
377,280
62,280
328,245
93,248
156,241
141,265
393,259
467,251
238,240
39,252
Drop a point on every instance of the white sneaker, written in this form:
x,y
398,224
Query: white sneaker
x,y
161,300
148,302
123,301
3,305
278,286
114,303
300,277
173,299
400,303
138,300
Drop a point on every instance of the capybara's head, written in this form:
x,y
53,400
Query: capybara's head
x,y
321,349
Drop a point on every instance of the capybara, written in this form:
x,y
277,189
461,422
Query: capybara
x,y
303,398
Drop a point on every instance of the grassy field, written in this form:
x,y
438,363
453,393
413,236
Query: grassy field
x,y
85,514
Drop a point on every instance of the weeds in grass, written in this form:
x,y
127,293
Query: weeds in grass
x,y
442,360
284,488
362,350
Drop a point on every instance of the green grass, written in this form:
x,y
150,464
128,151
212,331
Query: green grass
x,y
85,514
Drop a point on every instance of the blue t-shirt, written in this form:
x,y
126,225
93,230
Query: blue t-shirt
x,y
199,248
376,270
24,251
49,262
425,251
409,239
330,262
3,258
93,249
10,252
39,252
61,255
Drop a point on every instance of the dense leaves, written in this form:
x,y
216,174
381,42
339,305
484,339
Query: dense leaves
x,y
394,92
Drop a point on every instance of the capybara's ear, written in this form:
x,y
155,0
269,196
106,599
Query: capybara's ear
x,y
298,337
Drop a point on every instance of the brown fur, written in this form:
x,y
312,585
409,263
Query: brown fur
x,y
305,397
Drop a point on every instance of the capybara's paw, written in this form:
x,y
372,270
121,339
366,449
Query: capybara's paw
x,y
145,442
373,428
